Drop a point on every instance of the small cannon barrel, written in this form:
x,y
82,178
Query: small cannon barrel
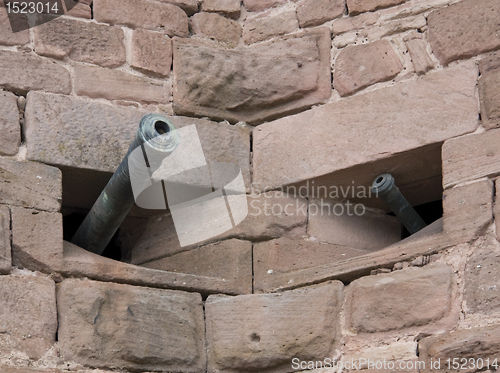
x,y
385,188
117,198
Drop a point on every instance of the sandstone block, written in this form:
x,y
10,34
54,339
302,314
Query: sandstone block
x,y
28,314
316,12
37,240
346,24
151,52
362,129
252,83
7,36
253,332
496,211
97,82
360,66
359,6
107,324
468,208
482,281
464,29
272,215
230,260
414,297
230,8
189,6
260,5
10,128
418,52
265,26
338,223
148,14
489,91
477,343
283,255
80,41
80,9
5,236
30,185
215,26
21,72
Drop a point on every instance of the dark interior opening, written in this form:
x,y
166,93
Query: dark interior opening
x,y
161,127
72,221
429,212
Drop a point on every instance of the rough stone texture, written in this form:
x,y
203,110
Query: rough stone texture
x,y
429,110
106,324
253,83
477,343
7,37
359,6
419,56
37,240
82,263
482,280
28,314
414,297
5,236
216,26
398,352
316,12
230,260
21,72
284,255
373,230
264,332
189,6
151,52
260,5
489,90
148,14
272,215
30,185
10,127
70,131
266,25
465,29
230,8
345,24
97,82
80,9
496,211
80,41
468,208
360,66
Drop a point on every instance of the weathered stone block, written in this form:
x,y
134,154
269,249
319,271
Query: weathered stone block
x,y
260,5
151,52
7,37
341,224
37,239
230,260
97,82
148,14
10,127
272,215
369,127
80,9
254,332
489,90
316,12
284,255
346,24
414,297
482,280
28,314
252,83
215,26
360,6
464,29
360,66
230,8
30,185
265,26
5,236
468,209
80,41
107,324
21,72
189,6
419,55
477,343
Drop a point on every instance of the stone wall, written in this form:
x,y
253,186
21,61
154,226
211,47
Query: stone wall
x,y
301,95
